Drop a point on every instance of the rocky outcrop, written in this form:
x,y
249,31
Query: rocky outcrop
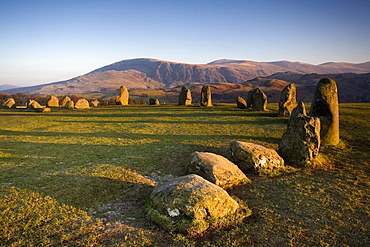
x,y
205,97
325,106
288,100
216,169
185,96
252,156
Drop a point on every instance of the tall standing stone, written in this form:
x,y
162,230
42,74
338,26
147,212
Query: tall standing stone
x,y
122,98
325,106
288,100
205,97
259,100
185,96
249,99
53,101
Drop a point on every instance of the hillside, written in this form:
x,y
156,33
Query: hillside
x,y
229,79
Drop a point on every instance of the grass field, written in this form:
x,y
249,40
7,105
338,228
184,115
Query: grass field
x,y
82,177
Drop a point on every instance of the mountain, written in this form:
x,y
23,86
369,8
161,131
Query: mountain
x,y
7,87
145,73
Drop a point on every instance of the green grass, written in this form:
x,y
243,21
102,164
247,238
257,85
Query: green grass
x,y
82,177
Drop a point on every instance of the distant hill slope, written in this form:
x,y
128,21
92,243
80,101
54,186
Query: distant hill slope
x,y
145,73
7,87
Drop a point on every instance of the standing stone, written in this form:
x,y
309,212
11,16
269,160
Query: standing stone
x,y
300,109
122,98
249,99
325,106
94,102
82,104
216,169
252,156
53,101
153,101
64,101
205,97
259,100
8,103
185,96
241,103
288,100
300,143
69,104
33,104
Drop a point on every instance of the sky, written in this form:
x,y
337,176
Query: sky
x,y
44,41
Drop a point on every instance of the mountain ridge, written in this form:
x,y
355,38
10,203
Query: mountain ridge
x,y
150,73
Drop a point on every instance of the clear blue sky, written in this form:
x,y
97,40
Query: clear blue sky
x,y
53,40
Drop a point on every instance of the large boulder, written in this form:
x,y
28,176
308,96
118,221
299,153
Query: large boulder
x,y
216,169
189,203
300,143
205,96
185,96
252,156
258,100
325,106
123,97
82,104
52,101
153,101
241,103
8,103
288,100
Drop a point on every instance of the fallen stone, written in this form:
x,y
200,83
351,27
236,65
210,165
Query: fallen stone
x,y
187,202
252,156
216,169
